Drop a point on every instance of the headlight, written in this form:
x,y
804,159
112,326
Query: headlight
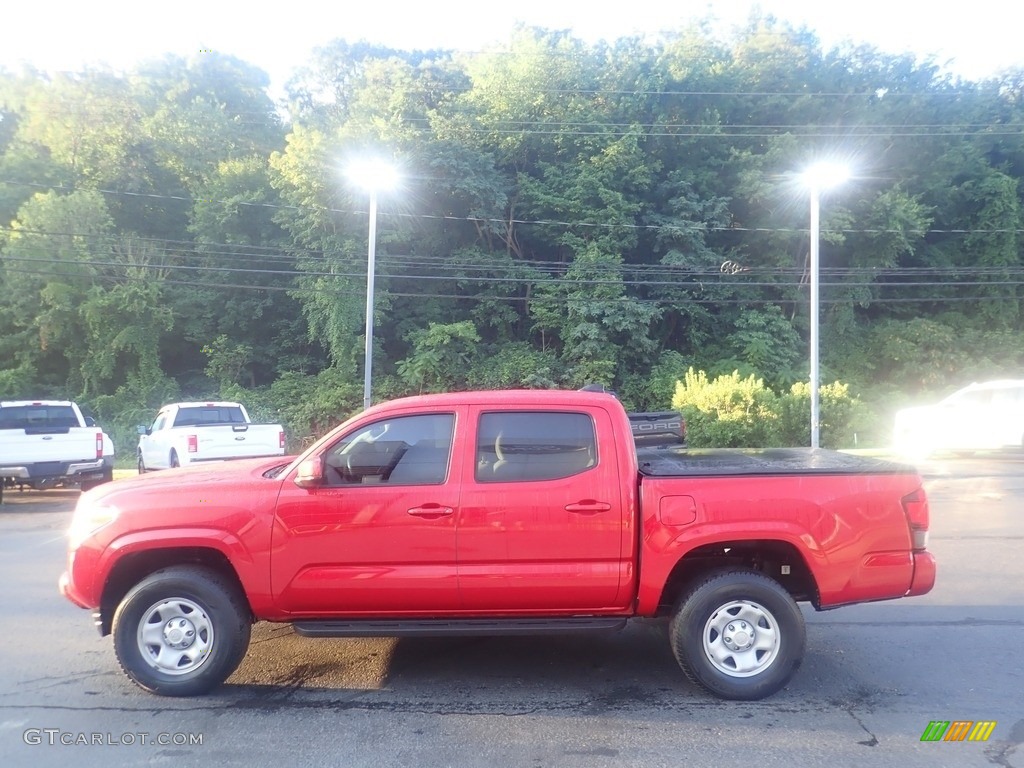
x,y
88,519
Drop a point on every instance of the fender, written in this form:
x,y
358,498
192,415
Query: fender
x,y
665,546
252,569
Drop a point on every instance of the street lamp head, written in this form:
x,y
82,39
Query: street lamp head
x,y
825,175
372,174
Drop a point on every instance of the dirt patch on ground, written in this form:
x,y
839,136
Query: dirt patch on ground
x,y
28,500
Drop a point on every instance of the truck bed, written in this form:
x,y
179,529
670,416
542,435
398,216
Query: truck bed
x,y
674,461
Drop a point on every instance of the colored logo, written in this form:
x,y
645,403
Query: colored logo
x,y
958,730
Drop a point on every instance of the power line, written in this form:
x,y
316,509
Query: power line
x,y
402,265
298,288
103,113
692,227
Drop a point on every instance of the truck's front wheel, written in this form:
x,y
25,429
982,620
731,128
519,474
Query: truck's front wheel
x,y
738,634
181,631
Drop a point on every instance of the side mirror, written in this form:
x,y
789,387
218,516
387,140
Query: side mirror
x,y
90,421
142,429
310,474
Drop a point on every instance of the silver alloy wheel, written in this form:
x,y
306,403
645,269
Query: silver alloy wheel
x,y
175,636
741,639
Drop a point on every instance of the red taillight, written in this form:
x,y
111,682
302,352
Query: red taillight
x,y
280,439
193,443
99,445
915,506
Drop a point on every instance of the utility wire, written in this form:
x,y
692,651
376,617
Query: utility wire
x,y
540,297
694,227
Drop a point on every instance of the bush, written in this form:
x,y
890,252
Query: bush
x,y
735,412
306,406
838,412
516,366
728,412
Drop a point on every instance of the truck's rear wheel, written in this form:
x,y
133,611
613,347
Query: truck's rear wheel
x,y
181,631
738,634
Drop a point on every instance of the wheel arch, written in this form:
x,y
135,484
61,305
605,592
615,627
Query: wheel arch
x,y
779,560
135,566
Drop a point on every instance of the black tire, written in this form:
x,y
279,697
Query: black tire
x,y
768,642
174,459
181,631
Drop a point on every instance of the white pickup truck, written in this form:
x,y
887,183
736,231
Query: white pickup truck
x,y
46,443
192,433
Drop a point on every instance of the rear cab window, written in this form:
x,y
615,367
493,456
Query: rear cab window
x,y
531,446
197,416
38,417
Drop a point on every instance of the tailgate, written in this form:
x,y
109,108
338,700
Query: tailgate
x,y
21,446
236,442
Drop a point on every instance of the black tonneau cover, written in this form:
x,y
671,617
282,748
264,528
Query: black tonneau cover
x,y
704,462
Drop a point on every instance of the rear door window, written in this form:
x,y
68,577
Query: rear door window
x,y
531,446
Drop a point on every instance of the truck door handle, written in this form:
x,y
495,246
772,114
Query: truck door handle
x,y
431,511
588,507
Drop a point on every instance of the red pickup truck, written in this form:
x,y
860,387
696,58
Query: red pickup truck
x,y
495,513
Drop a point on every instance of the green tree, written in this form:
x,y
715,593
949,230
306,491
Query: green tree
x,y
52,257
440,357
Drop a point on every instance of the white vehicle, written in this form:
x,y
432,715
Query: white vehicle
x,y
191,433
46,443
984,416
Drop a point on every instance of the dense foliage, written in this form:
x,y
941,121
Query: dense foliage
x,y
569,214
733,412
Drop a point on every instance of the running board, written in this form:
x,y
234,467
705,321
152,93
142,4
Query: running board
x,y
457,627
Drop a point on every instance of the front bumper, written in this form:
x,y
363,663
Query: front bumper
x,y
64,584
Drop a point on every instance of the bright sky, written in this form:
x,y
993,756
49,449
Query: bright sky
x,y
976,40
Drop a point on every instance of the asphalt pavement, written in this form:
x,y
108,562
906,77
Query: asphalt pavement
x,y
873,679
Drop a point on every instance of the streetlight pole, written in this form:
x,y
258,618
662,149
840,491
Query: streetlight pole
x,y
372,175
370,274
818,177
